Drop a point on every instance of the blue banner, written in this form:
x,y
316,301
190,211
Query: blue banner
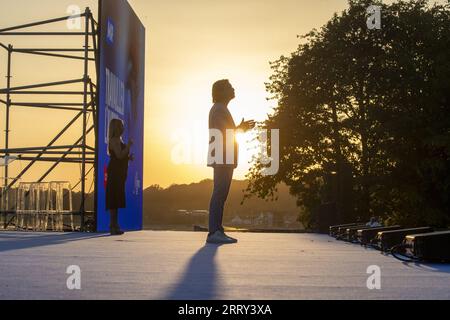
x,y
121,96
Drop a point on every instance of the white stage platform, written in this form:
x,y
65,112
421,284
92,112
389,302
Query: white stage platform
x,y
178,265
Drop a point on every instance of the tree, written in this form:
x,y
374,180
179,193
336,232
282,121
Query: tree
x,y
369,104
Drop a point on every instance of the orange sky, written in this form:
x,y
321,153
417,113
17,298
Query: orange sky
x,y
190,44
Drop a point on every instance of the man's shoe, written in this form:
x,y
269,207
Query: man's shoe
x,y
219,238
231,238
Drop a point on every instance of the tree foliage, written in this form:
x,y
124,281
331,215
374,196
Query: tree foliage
x,y
364,116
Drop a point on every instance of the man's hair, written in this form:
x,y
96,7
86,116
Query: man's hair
x,y
219,89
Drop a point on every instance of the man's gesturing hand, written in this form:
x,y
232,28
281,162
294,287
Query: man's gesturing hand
x,y
246,125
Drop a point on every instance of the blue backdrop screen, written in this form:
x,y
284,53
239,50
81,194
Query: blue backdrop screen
x,y
121,96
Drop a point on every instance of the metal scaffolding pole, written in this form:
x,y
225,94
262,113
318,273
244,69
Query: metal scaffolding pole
x,y
85,109
8,106
66,56
43,33
42,85
40,149
34,24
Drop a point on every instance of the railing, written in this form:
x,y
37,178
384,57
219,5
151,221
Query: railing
x,y
39,206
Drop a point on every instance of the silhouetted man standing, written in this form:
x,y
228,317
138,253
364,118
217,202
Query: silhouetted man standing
x,y
224,156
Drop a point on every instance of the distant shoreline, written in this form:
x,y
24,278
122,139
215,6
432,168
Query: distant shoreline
x,y
227,229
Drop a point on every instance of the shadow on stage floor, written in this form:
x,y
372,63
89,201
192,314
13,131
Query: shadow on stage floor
x,y
200,278
24,240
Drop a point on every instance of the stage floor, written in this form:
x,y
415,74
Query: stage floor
x,y
178,265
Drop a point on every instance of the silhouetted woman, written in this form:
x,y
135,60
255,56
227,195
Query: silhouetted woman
x,y
117,173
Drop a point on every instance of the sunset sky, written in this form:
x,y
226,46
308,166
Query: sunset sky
x,y
190,44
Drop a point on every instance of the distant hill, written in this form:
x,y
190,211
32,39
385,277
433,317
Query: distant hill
x,y
161,205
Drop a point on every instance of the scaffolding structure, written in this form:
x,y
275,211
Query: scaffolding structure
x,y
79,153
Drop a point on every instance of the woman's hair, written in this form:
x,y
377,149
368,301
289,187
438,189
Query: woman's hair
x,y
115,127
218,90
